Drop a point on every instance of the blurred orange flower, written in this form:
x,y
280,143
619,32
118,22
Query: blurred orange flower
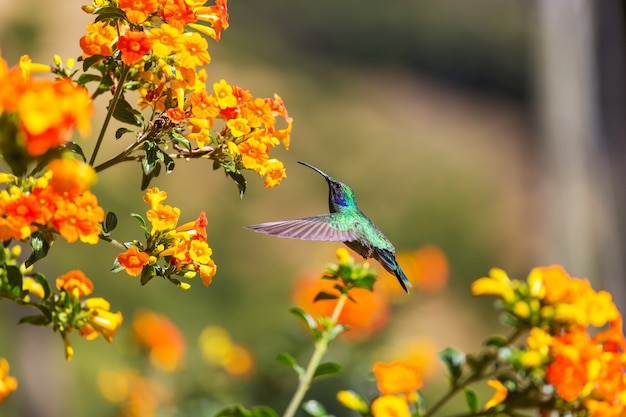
x,y
427,268
368,313
137,395
499,395
162,338
70,175
397,377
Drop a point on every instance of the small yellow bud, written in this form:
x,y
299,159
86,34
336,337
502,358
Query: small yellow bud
x,y
152,260
185,285
16,251
353,401
521,309
189,274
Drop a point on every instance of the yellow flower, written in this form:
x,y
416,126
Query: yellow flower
x,y
390,406
499,395
238,127
200,251
8,384
163,218
253,155
353,401
274,173
154,197
224,95
33,287
101,320
497,283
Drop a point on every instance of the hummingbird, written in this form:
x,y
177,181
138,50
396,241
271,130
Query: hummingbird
x,y
345,223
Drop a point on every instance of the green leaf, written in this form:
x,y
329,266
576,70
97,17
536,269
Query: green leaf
x,y
235,410
290,361
454,360
41,280
122,131
471,399
38,320
496,341
141,220
125,113
40,246
325,296
336,330
108,13
146,178
305,317
147,273
240,180
315,409
169,163
263,411
181,140
14,276
116,266
87,78
110,222
89,62
327,369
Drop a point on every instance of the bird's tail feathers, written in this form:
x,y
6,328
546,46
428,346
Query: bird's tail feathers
x,y
389,262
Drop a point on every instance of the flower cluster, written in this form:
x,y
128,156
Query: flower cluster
x,y
38,114
91,316
161,48
55,202
184,249
575,343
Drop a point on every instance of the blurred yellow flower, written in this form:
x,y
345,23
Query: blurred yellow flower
x,y
390,406
8,384
351,400
218,350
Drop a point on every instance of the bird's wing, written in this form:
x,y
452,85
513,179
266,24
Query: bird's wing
x,y
308,228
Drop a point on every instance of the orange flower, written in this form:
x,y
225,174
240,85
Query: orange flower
x,y
48,110
203,106
70,175
396,377
162,338
259,112
368,313
177,13
133,260
207,272
568,376
134,45
79,217
138,11
100,36
76,283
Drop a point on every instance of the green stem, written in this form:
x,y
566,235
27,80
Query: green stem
x,y
111,109
475,376
113,242
320,349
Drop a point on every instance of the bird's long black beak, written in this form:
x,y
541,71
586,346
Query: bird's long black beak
x,y
315,169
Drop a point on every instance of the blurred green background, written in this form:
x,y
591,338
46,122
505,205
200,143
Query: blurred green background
x,y
491,128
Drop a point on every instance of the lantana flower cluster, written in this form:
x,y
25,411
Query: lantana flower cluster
x,y
575,343
183,250
161,45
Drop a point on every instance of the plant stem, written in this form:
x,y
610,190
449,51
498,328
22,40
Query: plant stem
x,y
321,346
111,109
475,376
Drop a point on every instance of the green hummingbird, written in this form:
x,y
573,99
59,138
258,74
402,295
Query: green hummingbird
x,y
345,223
